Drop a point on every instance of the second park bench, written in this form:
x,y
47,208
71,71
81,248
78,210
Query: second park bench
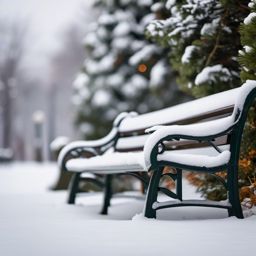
x,y
201,135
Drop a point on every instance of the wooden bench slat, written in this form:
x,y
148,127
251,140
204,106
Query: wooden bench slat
x,y
137,143
179,114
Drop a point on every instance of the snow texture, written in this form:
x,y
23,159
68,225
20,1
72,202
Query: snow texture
x,y
188,53
6,153
170,3
251,4
250,18
104,65
101,98
181,111
85,127
114,80
59,143
158,74
80,81
82,91
109,163
122,29
90,39
173,202
131,142
245,89
106,19
248,49
241,52
209,29
157,7
196,160
212,74
121,43
144,54
37,221
146,20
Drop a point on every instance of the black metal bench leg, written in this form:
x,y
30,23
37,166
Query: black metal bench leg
x,y
233,193
73,188
179,184
144,185
107,194
152,193
230,212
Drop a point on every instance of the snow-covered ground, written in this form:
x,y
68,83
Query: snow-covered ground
x,y
37,221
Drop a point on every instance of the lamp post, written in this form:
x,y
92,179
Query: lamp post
x,y
38,121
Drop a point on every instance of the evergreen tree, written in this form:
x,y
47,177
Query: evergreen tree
x,y
203,41
247,60
122,71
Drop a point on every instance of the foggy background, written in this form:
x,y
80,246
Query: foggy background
x,y
40,54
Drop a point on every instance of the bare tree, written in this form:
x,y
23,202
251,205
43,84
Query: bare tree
x,y
11,53
64,66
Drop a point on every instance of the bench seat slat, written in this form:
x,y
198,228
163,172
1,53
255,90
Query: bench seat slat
x,y
109,163
196,160
181,112
131,143
116,162
137,143
206,203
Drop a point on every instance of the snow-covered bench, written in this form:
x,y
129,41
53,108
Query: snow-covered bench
x,y
200,135
6,155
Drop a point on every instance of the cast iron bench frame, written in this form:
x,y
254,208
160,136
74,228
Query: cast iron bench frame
x,y
232,135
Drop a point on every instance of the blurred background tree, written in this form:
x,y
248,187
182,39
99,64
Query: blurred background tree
x,y
12,50
40,53
64,64
122,70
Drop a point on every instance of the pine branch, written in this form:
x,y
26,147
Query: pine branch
x,y
216,45
243,7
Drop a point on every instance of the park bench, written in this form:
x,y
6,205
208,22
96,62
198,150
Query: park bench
x,y
201,135
6,155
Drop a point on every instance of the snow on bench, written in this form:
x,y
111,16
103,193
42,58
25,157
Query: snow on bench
x,y
109,163
176,114
200,135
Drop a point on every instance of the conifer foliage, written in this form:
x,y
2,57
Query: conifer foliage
x,y
247,60
134,45
203,39
122,70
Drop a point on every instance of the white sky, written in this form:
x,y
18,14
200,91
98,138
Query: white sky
x,y
46,20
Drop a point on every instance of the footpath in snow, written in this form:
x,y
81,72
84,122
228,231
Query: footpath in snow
x,y
37,221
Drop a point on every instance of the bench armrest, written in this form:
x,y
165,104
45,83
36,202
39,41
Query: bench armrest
x,y
206,131
94,147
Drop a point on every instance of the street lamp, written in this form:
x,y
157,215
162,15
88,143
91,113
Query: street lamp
x,y
38,121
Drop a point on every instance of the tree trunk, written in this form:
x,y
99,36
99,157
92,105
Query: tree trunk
x,y
7,120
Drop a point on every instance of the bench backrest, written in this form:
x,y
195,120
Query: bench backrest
x,y
131,130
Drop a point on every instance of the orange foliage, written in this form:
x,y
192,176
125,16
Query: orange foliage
x,y
248,195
